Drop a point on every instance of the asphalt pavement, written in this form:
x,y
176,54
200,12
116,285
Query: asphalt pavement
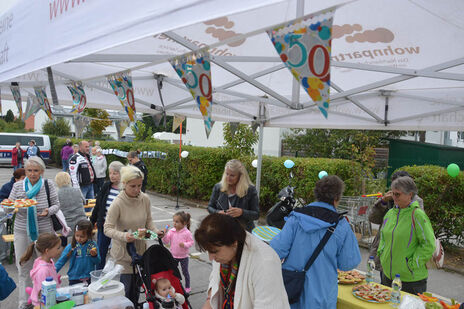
x,y
446,284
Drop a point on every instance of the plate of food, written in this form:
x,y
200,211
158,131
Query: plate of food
x,y
350,277
20,203
373,293
144,234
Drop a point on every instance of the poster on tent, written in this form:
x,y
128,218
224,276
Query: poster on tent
x,y
122,87
304,47
43,101
79,98
17,97
195,72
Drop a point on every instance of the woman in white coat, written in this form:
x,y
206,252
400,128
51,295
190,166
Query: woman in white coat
x,y
246,272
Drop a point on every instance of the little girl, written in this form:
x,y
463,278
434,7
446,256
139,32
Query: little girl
x,y
83,252
49,245
180,239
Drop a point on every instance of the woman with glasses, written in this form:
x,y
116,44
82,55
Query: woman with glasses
x,y
407,240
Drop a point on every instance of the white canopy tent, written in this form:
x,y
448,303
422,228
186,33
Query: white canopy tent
x,y
396,64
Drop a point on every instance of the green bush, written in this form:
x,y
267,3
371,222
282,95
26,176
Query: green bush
x,y
443,200
204,167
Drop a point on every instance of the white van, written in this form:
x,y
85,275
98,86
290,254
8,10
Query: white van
x,y
8,141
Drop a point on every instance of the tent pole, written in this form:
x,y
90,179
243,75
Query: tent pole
x,y
296,83
260,146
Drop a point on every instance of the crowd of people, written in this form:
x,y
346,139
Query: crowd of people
x,y
246,272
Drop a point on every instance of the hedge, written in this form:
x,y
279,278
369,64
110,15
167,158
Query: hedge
x,y
443,200
204,167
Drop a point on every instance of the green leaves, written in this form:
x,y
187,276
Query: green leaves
x,y
241,141
57,127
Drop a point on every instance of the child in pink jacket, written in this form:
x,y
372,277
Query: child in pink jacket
x,y
49,245
180,239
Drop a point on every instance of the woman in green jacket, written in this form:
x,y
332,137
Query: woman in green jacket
x,y
407,240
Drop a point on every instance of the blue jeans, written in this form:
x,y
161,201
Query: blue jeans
x,y
15,167
65,165
103,243
87,191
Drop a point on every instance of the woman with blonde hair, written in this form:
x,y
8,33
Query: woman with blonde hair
x,y
129,212
235,195
71,201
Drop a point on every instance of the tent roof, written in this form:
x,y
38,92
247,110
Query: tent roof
x,y
396,64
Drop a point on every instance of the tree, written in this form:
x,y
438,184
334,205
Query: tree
x,y
357,145
57,127
97,126
9,116
241,143
143,133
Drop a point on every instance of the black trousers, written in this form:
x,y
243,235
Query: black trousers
x,y
131,287
409,287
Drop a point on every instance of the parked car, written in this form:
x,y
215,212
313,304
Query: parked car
x,y
8,141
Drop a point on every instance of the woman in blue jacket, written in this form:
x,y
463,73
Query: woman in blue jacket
x,y
301,235
7,285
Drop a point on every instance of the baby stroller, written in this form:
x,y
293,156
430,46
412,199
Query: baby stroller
x,y
157,260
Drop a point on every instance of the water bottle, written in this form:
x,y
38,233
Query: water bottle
x,y
48,293
370,270
146,305
396,291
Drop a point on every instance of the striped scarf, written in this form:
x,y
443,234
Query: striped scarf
x,y
228,274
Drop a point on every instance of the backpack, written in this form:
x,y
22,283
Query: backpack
x,y
438,257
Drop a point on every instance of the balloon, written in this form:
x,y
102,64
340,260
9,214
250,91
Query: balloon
x,y
322,174
453,170
254,163
289,163
184,154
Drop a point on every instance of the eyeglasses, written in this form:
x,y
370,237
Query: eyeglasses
x,y
397,194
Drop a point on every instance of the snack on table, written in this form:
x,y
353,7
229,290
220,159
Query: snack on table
x,y
374,293
350,277
8,202
25,202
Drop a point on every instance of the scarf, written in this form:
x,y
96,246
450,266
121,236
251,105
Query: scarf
x,y
228,273
32,223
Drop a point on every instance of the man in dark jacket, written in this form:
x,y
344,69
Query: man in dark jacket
x,y
18,175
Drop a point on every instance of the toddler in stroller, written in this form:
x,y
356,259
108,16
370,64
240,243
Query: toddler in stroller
x,y
157,263
165,294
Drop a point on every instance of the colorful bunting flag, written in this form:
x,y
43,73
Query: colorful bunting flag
x,y
43,101
79,98
305,48
177,121
17,97
122,87
32,106
195,72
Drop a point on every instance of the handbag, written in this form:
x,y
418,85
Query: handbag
x,y
56,223
294,279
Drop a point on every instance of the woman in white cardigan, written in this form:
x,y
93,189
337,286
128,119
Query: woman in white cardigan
x,y
246,272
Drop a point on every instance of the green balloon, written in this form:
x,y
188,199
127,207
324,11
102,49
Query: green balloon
x,y
453,170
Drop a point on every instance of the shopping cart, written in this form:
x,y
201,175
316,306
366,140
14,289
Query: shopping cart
x,y
358,209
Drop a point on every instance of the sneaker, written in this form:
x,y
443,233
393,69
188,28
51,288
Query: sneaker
x,y
188,290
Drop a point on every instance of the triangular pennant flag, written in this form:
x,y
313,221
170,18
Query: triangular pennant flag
x,y
123,89
121,126
32,106
305,48
195,72
79,98
208,129
157,119
43,101
80,122
177,121
17,97
233,127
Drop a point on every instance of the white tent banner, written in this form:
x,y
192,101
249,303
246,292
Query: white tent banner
x,y
78,95
395,64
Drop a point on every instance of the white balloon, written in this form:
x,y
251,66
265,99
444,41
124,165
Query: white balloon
x,y
184,154
254,163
